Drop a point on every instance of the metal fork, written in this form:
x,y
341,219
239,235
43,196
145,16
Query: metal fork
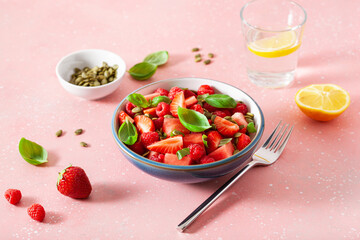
x,y
267,154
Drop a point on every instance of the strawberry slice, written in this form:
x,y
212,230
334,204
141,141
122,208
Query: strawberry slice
x,y
225,127
151,111
122,117
169,145
190,101
144,124
173,160
151,96
178,101
239,118
193,138
171,124
222,152
243,141
213,141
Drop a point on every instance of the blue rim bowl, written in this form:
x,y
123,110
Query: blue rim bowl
x,y
201,172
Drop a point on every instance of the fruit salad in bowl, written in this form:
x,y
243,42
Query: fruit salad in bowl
x,y
187,129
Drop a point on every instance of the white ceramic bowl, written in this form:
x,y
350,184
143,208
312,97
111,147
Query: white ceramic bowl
x,y
89,58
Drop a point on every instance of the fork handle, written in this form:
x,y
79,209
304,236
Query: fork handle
x,y
207,203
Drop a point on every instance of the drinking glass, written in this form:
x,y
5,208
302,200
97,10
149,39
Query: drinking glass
x,y
273,32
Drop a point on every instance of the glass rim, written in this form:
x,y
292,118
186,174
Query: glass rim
x,y
266,30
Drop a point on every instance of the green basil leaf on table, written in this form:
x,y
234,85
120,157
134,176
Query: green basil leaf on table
x,y
224,141
193,120
182,153
138,100
156,100
157,58
127,133
143,71
221,101
204,139
251,128
32,152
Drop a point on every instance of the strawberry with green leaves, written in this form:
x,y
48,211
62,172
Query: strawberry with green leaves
x,y
73,182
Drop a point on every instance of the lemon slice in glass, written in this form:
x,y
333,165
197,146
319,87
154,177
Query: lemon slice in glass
x,y
279,45
322,102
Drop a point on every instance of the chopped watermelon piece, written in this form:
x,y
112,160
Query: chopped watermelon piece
x,y
173,160
151,96
213,141
222,152
169,145
171,124
151,111
190,101
193,138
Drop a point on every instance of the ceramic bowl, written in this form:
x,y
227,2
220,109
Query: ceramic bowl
x,y
201,172
89,58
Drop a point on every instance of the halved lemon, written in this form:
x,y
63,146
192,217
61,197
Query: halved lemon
x,y
279,45
322,102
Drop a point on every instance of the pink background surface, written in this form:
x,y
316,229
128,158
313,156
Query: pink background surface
x,y
312,192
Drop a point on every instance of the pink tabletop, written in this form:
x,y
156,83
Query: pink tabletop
x,y
312,192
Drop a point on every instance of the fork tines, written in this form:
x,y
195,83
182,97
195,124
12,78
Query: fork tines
x,y
277,145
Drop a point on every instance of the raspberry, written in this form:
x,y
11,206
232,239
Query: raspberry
x,y
174,91
209,107
128,109
188,93
158,122
36,212
157,157
205,89
196,151
163,92
148,138
206,159
219,113
241,107
137,147
227,112
162,109
197,108
13,196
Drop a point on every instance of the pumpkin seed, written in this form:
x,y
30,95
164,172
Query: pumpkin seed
x,y
208,61
198,59
198,55
195,49
238,134
104,81
78,131
168,116
137,109
210,55
84,144
58,133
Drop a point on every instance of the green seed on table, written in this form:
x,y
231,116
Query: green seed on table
x,y
208,61
195,49
83,144
58,133
78,131
198,59
210,55
198,55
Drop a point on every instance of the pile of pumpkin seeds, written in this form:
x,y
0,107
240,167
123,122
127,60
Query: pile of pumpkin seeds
x,y
96,76
198,57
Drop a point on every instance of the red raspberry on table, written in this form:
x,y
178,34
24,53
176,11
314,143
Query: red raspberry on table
x,y
206,159
157,157
241,107
36,212
13,196
196,151
162,109
188,93
205,89
174,91
149,138
128,109
209,107
219,113
158,122
197,108
163,92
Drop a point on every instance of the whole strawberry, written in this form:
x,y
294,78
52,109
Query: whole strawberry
x,y
36,212
74,183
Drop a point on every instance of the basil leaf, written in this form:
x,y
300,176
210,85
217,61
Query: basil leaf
x,y
204,138
127,133
224,141
176,132
182,153
251,127
138,100
193,120
221,101
142,71
157,58
202,97
156,100
32,152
